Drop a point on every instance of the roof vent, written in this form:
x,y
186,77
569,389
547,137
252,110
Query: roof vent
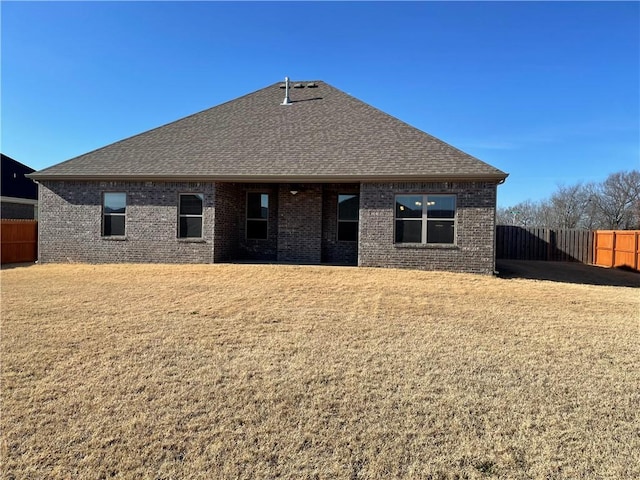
x,y
312,85
286,100
298,85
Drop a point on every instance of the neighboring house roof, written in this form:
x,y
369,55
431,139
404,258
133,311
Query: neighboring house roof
x,y
14,183
324,135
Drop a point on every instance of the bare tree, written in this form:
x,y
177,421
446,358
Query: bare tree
x,y
617,201
612,204
568,207
524,214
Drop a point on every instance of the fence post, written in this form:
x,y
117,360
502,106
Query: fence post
x,y
547,239
613,250
636,236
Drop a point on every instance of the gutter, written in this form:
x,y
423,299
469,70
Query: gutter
x,y
22,201
498,178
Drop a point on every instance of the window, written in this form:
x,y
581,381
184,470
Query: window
x,y
257,215
425,219
348,207
190,215
114,208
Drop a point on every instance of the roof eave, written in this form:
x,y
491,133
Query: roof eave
x,y
497,177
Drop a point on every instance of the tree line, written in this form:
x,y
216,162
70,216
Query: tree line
x,y
613,204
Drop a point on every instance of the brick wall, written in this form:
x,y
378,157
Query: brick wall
x,y
300,224
252,249
17,211
302,227
333,251
228,198
475,229
71,220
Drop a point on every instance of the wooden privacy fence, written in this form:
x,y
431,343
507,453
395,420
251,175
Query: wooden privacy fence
x,y
19,241
617,248
519,243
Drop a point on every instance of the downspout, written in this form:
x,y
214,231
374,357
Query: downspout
x,y
38,225
495,216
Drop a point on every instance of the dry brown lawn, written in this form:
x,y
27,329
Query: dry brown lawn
x,y
260,371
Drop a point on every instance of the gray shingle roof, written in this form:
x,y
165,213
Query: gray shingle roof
x,y
324,135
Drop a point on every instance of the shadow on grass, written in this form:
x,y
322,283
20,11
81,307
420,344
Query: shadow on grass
x,y
568,272
9,266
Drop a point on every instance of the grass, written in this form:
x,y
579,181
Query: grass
x,y
247,371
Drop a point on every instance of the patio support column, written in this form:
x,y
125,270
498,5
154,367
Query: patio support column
x,y
300,223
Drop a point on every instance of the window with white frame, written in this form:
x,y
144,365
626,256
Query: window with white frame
x,y
190,215
427,219
348,208
257,215
114,210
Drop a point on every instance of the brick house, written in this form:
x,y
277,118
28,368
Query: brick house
x,y
295,172
18,194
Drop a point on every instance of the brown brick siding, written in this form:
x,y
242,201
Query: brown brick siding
x,y
17,211
333,251
252,249
302,227
226,241
475,230
71,222
300,224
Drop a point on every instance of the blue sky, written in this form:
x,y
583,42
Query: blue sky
x,y
546,91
